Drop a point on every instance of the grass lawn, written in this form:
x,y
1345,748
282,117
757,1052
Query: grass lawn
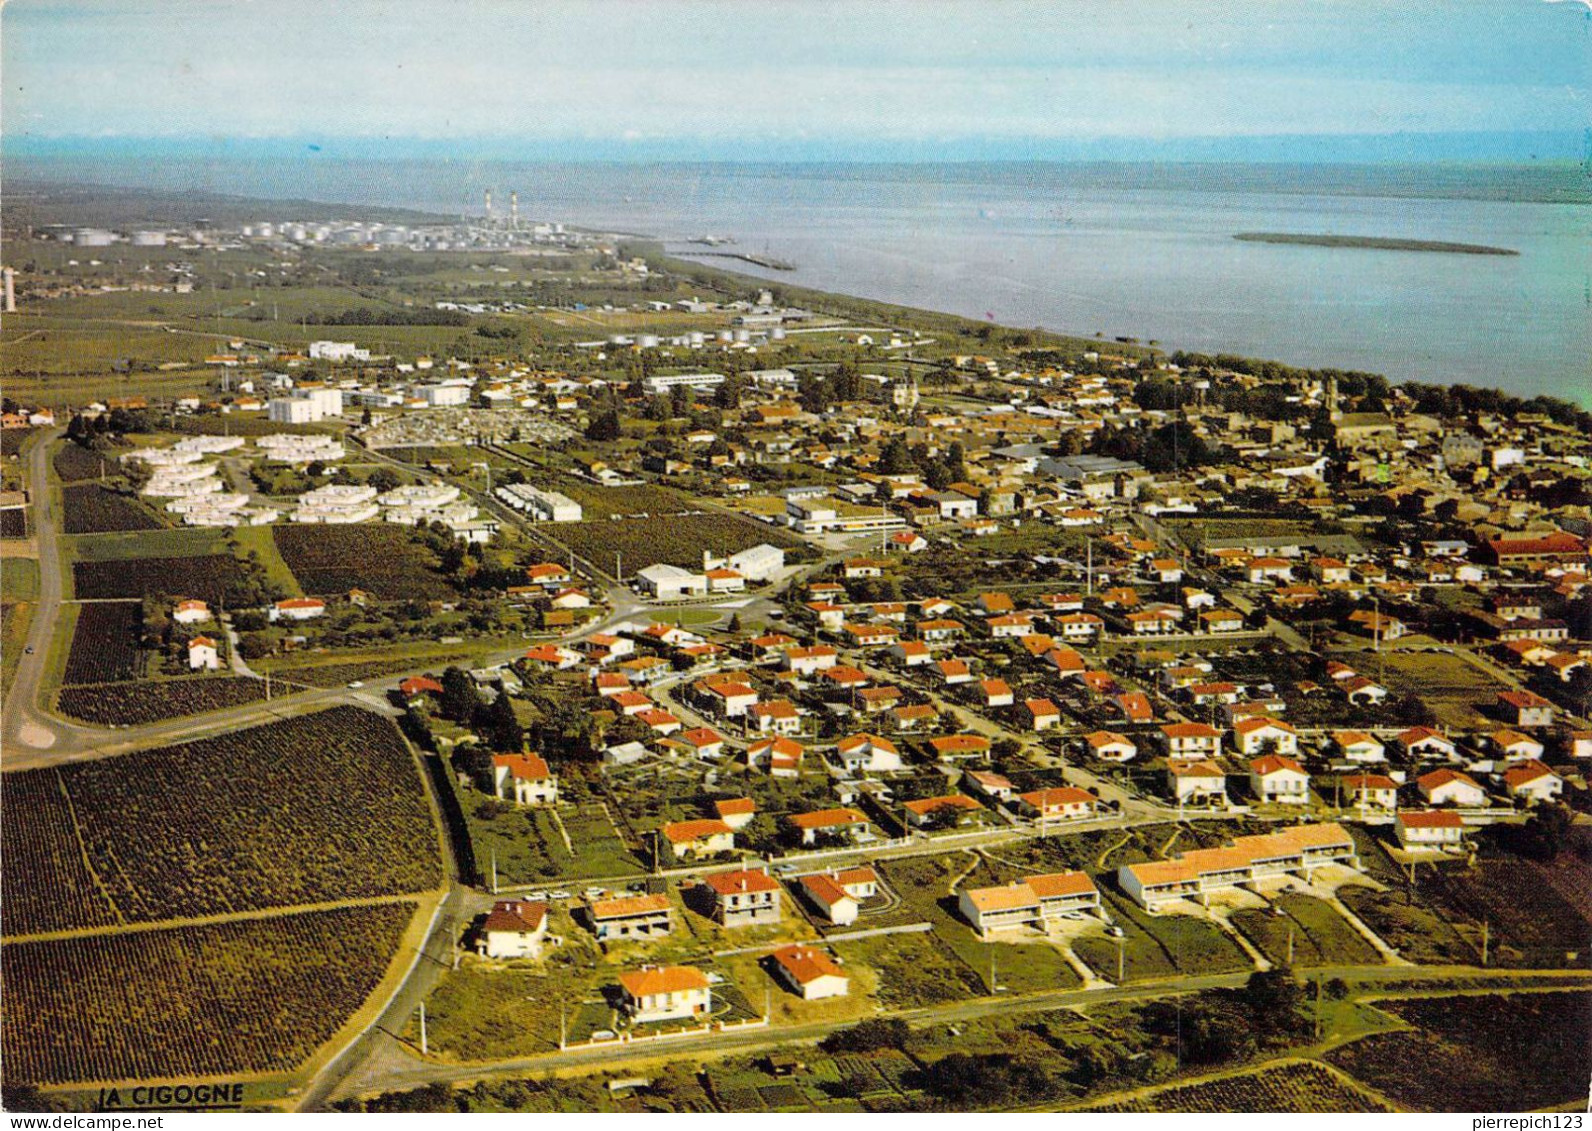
x,y
1192,945
19,579
179,542
1448,684
1405,923
15,620
912,969
1321,937
257,540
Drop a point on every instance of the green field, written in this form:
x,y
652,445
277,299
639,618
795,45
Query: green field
x,y
1321,937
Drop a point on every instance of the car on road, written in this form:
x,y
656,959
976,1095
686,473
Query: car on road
x,y
559,894
356,683
28,651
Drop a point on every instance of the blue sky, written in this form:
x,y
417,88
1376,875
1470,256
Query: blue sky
x,y
802,78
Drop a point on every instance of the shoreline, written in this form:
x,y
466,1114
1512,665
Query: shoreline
x,y
1376,243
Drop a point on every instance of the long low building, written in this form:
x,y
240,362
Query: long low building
x,y
1032,902
1197,873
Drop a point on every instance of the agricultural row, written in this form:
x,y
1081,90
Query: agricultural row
x,y
205,576
384,560
153,701
1523,1052
14,522
74,463
89,508
105,643
320,807
677,540
246,996
46,884
1294,1087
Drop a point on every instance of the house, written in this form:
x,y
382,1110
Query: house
x,y
1191,740
1358,746
1222,620
1532,782
1062,802
665,993
417,687
1133,706
868,754
737,812
1424,742
523,779
1079,626
698,838
514,928
743,898
1199,782
551,657
994,693
1429,829
1371,791
960,746
1010,625
1279,779
834,897
704,742
1525,709
954,808
1040,714
1197,873
953,672
631,916
659,721
1109,746
298,608
847,824
780,757
877,700
994,786
811,661
808,972
190,612
1362,691
1253,735
1514,746
910,717
669,582
727,696
1450,787
777,716
1036,902
202,654
911,653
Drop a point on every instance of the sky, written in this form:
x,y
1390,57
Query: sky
x,y
1002,77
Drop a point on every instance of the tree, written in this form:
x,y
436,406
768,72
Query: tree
x,y
604,427
868,1036
500,727
459,699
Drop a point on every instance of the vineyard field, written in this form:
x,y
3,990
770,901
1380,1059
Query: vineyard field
x,y
152,701
383,559
1531,923
41,844
305,810
1492,1052
678,540
74,463
89,508
14,522
1283,1088
336,675
248,996
105,643
206,577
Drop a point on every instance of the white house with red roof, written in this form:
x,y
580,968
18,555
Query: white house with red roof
x,y
524,779
1057,803
1435,828
1451,787
737,812
1279,779
1370,791
514,928
665,993
1110,746
780,757
1197,781
1531,783
202,654
297,608
1252,735
190,612
868,754
808,972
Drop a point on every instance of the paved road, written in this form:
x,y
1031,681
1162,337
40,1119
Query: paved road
x,y
24,726
403,1069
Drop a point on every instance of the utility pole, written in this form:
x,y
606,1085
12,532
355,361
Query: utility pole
x,y
422,1028
494,872
1121,959
1290,945
1484,941
1318,1007
563,1028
